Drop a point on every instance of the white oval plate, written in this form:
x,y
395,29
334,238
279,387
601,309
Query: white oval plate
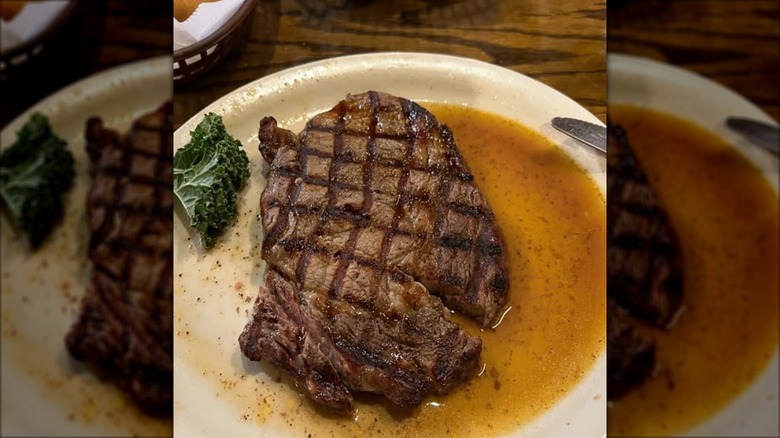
x,y
208,320
41,386
662,87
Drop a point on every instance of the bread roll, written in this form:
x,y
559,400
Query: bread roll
x,y
182,9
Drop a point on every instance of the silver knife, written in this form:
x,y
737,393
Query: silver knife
x,y
591,134
759,133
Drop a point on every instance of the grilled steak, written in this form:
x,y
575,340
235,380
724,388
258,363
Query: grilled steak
x,y
644,267
403,345
366,213
125,327
630,353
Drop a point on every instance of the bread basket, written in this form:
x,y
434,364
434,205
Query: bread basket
x,y
193,60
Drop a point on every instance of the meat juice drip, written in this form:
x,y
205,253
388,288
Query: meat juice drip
x,y
730,262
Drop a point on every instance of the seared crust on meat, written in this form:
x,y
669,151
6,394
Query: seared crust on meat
x,y
366,213
644,262
644,267
378,180
125,327
403,349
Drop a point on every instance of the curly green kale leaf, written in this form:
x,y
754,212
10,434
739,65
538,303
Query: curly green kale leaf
x,y
208,173
35,172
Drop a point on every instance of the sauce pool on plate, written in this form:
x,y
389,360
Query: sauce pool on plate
x,y
726,217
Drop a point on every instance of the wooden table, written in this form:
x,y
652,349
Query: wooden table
x,y
734,43
99,35
560,43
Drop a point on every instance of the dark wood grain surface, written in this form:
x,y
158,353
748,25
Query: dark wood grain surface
x,y
735,43
560,43
100,35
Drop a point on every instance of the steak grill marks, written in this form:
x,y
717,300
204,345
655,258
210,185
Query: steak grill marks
x,y
353,210
370,197
125,326
644,267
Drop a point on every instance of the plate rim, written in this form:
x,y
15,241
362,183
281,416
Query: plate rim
x,y
395,58
105,76
389,60
622,60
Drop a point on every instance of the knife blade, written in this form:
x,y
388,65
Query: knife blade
x,y
591,134
759,133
